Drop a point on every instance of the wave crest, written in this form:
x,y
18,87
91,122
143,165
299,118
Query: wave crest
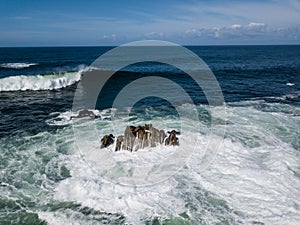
x,y
40,82
17,65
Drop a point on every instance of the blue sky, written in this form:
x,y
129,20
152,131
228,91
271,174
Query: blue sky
x,y
189,22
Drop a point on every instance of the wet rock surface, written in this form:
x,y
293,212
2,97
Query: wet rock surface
x,y
139,137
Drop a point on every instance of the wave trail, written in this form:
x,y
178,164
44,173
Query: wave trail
x,y
17,65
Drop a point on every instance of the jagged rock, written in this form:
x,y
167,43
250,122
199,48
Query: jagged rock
x,y
172,139
162,136
119,142
142,136
129,137
156,136
135,138
107,140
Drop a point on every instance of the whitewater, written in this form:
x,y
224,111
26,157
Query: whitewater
x,y
253,179
17,65
39,82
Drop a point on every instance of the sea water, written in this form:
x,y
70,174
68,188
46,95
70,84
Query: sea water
x,y
253,179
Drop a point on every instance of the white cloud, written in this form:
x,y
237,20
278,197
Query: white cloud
x,y
217,33
196,21
191,31
236,26
253,32
233,30
112,37
274,13
154,35
252,24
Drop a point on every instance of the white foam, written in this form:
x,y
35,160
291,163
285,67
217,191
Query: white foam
x,y
253,173
65,118
17,65
61,119
135,204
256,181
39,82
290,84
53,219
256,174
256,171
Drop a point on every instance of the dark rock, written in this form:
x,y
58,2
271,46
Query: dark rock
x,y
156,136
119,141
129,137
85,113
138,137
172,139
107,140
142,136
162,136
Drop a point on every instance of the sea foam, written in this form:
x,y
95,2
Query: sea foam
x,y
290,84
17,65
39,82
252,179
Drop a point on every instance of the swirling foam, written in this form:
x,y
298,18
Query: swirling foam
x,y
254,178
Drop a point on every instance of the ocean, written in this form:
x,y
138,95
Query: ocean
x,y
253,179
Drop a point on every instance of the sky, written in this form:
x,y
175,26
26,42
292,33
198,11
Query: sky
x,y
115,22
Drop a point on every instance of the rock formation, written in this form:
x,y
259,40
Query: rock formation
x,y
107,140
172,139
119,142
142,136
156,136
139,137
85,113
129,137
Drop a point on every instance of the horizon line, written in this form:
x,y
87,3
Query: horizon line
x,y
189,45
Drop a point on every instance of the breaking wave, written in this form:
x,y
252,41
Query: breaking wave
x,y
40,82
290,84
17,65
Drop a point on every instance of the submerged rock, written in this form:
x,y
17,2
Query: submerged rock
x,y
85,113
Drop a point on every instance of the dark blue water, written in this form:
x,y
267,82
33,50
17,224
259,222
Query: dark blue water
x,y
48,59
243,72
